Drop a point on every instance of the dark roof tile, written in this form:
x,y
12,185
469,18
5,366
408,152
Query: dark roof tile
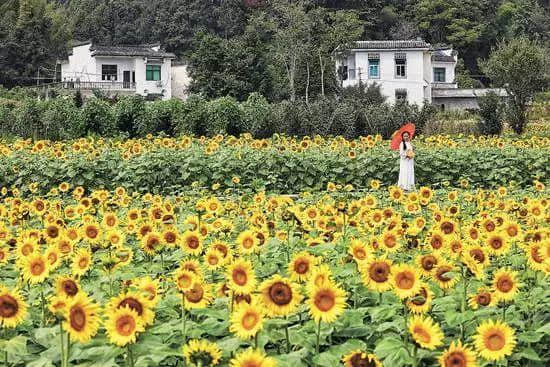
x,y
392,44
137,50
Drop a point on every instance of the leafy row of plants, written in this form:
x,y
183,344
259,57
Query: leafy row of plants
x,y
167,170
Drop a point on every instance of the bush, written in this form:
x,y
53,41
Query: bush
x,y
98,118
257,116
160,116
490,112
61,119
127,112
192,118
27,122
224,116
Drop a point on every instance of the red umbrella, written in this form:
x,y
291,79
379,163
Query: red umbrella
x,y
397,136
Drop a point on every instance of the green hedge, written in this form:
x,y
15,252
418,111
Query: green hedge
x,y
167,170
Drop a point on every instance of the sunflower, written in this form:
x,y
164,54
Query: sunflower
x,y
359,358
81,318
184,279
150,289
376,274
198,296
389,241
58,304
91,232
247,242
115,237
326,302
421,302
279,296
13,309
170,237
445,275
435,241
359,251
252,358
458,355
505,284
483,297
202,352
241,277
405,280
247,320
137,302
320,275
494,340
36,268
122,325
301,266
82,260
427,263
4,254
53,256
67,286
152,243
425,332
213,259
192,242
536,256
497,243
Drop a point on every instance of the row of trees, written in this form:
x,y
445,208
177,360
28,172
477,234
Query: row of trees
x,y
359,111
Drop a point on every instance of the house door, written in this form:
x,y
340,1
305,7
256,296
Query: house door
x,y
126,79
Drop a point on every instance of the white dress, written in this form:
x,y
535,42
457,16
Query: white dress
x,y
406,168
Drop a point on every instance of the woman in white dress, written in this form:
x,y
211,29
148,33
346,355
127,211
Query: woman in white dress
x,y
406,163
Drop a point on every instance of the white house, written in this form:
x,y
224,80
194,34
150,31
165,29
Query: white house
x,y
139,69
404,69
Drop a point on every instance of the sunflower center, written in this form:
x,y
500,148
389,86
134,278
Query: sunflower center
x,y
250,320
280,293
535,255
505,284
442,273
495,341
193,242
420,298
133,303
301,267
8,306
170,237
455,359
125,325
324,300
195,294
83,262
213,260
248,242
69,287
77,318
484,299
512,231
436,243
240,277
91,232
428,262
389,241
27,249
37,268
379,272
496,243
421,334
404,280
447,227
52,231
358,361
478,255
360,253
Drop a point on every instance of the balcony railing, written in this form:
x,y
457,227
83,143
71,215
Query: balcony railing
x,y
98,85
444,85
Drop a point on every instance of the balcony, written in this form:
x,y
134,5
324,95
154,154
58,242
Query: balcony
x,y
103,85
444,85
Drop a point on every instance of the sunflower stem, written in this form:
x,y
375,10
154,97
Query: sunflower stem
x,y
68,350
256,340
504,312
130,357
463,303
183,318
42,303
318,336
286,336
62,344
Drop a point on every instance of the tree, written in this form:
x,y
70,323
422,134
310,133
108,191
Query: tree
x,y
490,112
522,67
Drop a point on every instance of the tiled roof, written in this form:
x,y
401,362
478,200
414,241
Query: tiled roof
x,y
390,44
441,56
138,50
466,92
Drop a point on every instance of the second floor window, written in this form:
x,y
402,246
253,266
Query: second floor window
x,y
439,75
400,68
152,72
374,68
109,72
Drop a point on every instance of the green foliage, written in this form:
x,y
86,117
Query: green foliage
x,y
61,119
491,113
159,116
224,115
27,121
98,117
192,119
257,116
126,111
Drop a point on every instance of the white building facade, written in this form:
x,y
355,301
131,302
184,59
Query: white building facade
x,y
408,70
142,69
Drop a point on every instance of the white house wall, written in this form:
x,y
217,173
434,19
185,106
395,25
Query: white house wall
x,y
81,65
180,81
144,86
449,70
122,63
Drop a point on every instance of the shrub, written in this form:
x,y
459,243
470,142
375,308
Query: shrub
x,y
224,116
159,116
490,112
98,118
61,119
192,118
27,122
257,117
127,111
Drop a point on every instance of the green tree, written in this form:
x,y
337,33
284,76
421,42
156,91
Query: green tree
x,y
522,67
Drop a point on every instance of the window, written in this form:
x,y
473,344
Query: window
x,y
400,65
439,75
374,68
109,72
152,72
400,95
343,70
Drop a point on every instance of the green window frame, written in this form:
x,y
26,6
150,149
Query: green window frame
x,y
152,72
439,75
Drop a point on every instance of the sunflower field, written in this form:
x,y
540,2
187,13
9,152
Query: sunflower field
x,y
116,253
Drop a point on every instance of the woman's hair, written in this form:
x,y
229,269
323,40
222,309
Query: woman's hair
x,y
403,139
